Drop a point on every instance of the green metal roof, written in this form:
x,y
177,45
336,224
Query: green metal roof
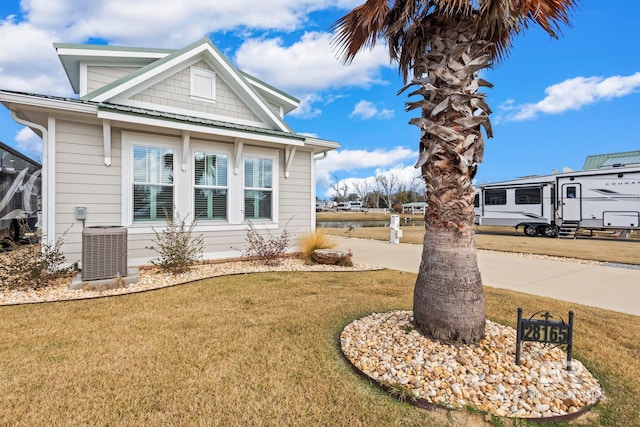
x,y
599,160
168,116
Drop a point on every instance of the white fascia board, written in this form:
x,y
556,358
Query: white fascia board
x,y
107,115
57,104
322,144
274,94
109,53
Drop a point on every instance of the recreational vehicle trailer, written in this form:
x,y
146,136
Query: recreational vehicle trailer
x,y
20,182
559,204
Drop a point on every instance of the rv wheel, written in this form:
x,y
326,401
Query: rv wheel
x,y
550,231
529,230
14,233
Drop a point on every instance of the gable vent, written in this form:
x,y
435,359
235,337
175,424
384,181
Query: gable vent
x,y
104,252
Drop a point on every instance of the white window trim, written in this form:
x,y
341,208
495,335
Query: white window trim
x,y
215,148
129,139
183,184
200,72
275,180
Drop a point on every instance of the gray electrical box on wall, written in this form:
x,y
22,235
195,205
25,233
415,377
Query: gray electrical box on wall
x,y
81,213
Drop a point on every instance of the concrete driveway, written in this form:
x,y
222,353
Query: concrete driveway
x,y
610,287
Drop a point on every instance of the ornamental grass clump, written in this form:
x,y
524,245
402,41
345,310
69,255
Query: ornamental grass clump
x,y
178,247
316,240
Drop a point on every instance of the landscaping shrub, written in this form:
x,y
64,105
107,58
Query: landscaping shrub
x,y
316,240
177,246
270,249
32,266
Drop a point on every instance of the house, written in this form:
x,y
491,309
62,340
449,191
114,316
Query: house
x,y
158,132
414,207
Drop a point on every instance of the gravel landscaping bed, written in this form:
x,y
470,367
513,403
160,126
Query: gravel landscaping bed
x,y
152,278
386,348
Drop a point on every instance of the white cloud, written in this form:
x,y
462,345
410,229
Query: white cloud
x,y
28,61
169,23
367,110
352,160
308,65
573,94
28,142
306,109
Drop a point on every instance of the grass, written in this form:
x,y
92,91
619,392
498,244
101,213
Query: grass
x,y
256,349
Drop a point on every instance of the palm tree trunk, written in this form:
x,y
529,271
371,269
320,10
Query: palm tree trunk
x,y
448,302
448,297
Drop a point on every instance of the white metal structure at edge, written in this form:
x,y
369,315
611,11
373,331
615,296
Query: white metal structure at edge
x,y
559,204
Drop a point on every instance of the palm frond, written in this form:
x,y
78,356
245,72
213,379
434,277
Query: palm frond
x,y
359,29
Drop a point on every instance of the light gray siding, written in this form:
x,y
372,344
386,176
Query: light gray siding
x,y
295,196
100,75
82,179
175,91
295,214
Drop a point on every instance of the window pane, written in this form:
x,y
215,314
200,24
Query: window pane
x,y
210,203
495,197
528,196
152,202
210,170
257,172
152,165
257,204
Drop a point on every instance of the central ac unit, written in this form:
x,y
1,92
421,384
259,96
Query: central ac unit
x,y
104,252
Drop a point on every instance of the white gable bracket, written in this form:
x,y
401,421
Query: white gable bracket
x,y
106,141
289,154
186,138
238,155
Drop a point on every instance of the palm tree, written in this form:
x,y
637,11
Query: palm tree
x,y
444,44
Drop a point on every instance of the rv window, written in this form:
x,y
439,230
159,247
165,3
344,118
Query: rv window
x,y
495,197
571,192
528,196
476,201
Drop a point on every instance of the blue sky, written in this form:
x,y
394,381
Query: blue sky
x,y
554,101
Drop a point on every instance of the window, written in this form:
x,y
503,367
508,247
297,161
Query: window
x,y
571,192
495,197
258,188
203,84
476,201
528,196
210,186
152,183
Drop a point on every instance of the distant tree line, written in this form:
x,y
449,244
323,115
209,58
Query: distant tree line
x,y
384,191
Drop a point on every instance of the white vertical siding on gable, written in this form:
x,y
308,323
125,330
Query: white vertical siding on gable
x,y
175,91
82,179
100,75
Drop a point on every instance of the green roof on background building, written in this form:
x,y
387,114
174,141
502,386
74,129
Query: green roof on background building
x,y
599,160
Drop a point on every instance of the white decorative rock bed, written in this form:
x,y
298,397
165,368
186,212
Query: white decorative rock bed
x,y
386,348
